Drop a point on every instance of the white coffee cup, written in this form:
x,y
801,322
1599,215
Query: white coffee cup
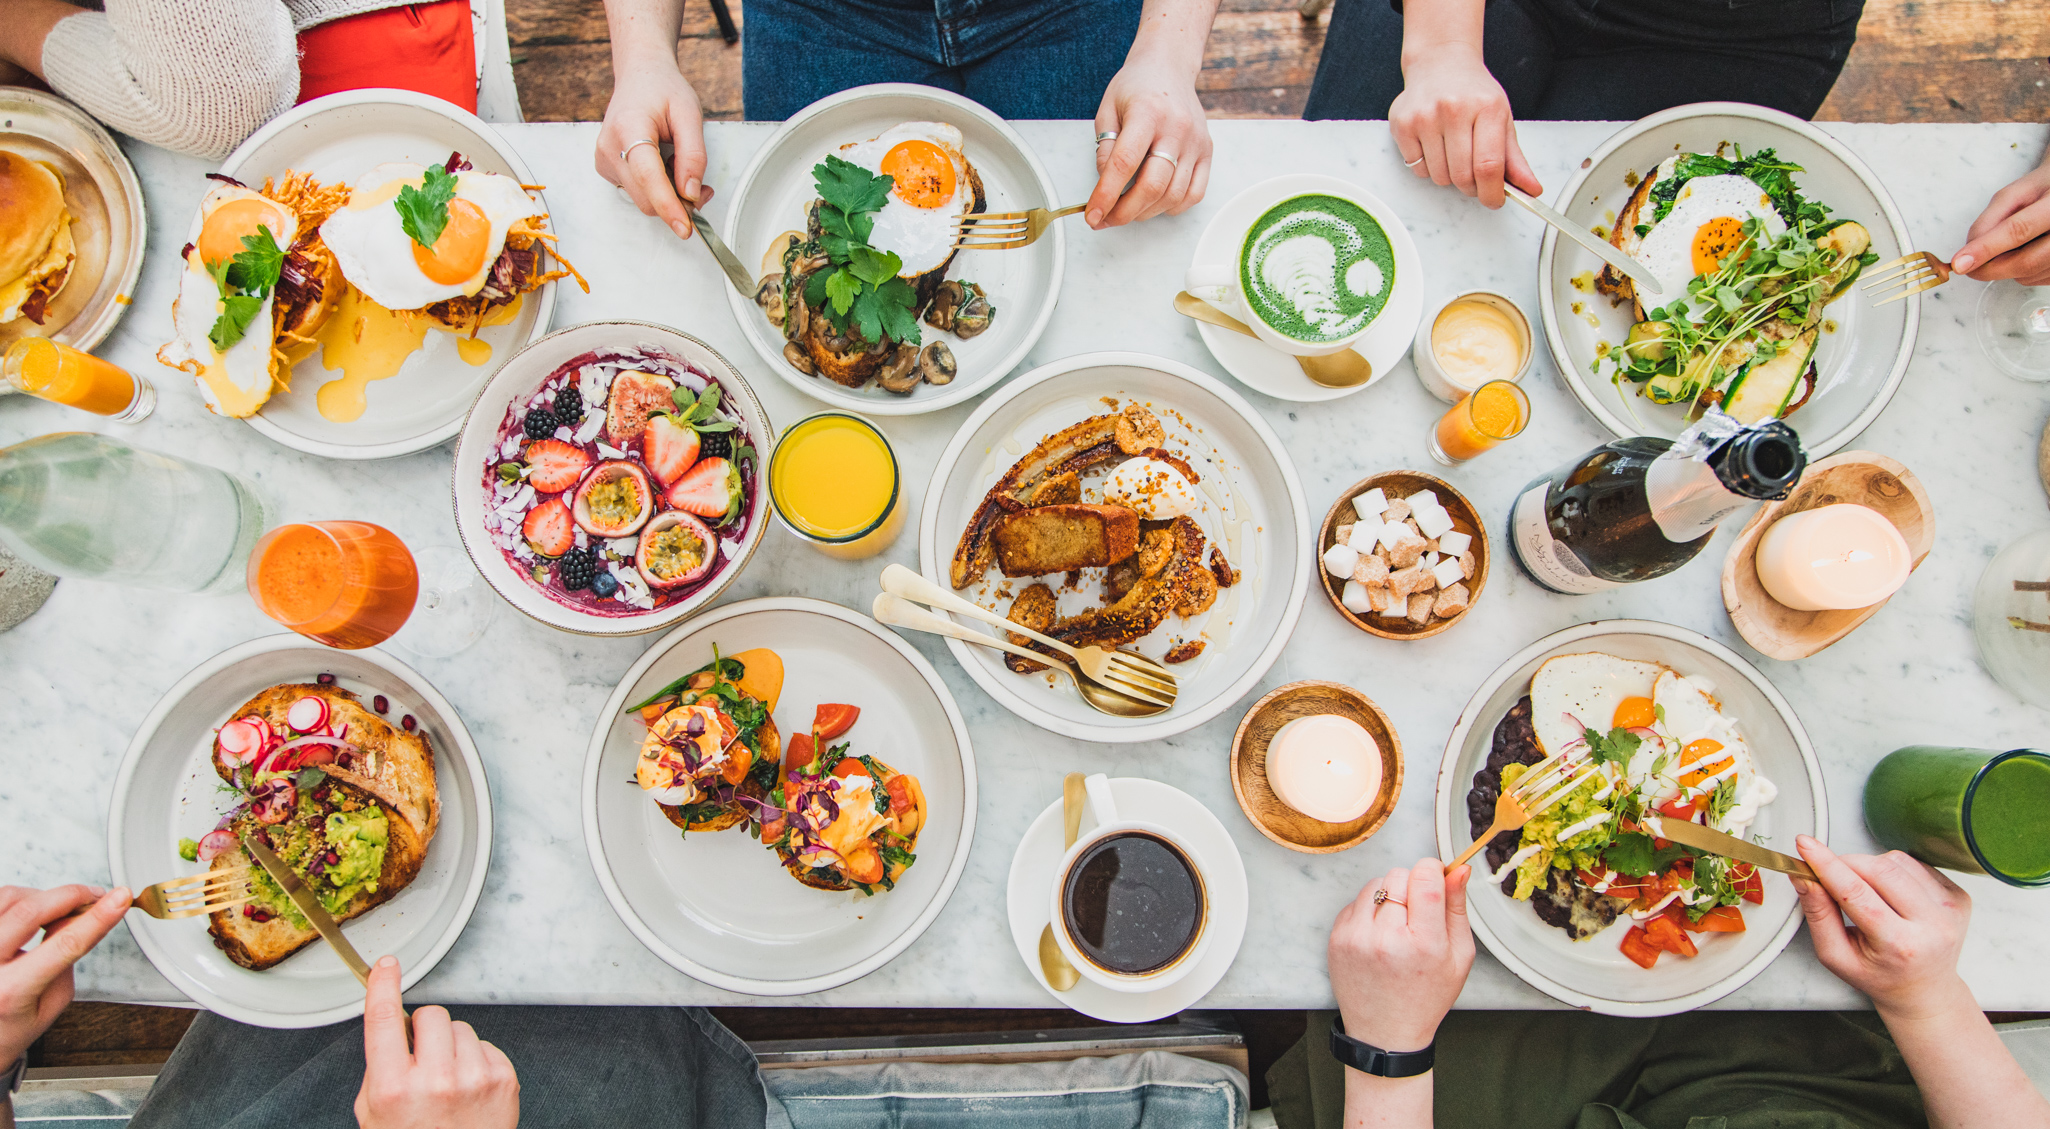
x,y
1223,286
1103,808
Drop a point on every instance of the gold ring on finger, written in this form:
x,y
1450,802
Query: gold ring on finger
x,y
1382,896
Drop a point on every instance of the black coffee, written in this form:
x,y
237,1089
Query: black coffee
x,y
1133,903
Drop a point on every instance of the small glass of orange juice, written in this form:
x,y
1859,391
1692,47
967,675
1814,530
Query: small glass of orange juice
x,y
348,584
1495,411
833,481
61,374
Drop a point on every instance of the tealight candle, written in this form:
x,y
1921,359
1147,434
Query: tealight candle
x,y
1325,766
1836,557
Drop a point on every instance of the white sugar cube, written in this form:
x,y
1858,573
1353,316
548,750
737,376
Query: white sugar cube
x,y
1396,609
1365,536
1339,560
1371,505
1453,544
1434,522
1355,598
1428,560
1448,572
1423,500
1393,533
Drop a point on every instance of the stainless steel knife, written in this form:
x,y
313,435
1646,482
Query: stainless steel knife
x,y
1605,251
309,905
1715,842
728,261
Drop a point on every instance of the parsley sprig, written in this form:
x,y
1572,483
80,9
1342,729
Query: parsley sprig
x,y
862,285
246,282
423,211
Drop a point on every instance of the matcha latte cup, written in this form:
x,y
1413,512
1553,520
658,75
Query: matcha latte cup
x,y
1313,272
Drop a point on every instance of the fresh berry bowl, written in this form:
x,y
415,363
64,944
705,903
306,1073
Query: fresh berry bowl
x,y
609,479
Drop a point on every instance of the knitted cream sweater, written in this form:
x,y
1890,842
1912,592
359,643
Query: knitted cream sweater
x,y
196,76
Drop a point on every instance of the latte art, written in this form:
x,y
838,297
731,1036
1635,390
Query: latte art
x,y
1317,268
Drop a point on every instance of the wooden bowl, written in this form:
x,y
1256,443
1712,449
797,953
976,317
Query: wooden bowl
x,y
1278,821
1401,484
1859,477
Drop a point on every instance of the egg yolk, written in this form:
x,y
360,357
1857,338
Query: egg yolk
x,y
458,255
923,173
220,237
1702,754
1635,713
1714,240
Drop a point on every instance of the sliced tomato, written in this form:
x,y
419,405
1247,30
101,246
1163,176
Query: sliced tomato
x,y
1721,919
865,865
899,789
1666,933
1745,879
797,753
834,719
1683,811
1638,947
1683,869
851,766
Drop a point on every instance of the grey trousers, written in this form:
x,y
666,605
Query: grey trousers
x,y
639,1066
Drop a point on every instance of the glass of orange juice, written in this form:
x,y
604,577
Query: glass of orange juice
x,y
1495,411
61,374
833,481
347,584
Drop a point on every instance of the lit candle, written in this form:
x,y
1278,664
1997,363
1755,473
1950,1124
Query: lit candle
x,y
1833,558
1325,766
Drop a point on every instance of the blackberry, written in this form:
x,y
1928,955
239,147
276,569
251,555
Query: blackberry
x,y
603,585
569,404
541,423
715,445
577,569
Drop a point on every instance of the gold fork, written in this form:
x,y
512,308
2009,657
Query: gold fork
x,y
1548,781
1909,274
201,893
1001,231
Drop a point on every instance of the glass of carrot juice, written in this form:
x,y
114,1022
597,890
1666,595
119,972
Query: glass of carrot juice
x,y
1495,411
348,584
833,481
61,374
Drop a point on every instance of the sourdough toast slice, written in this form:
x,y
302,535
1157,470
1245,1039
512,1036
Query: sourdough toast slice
x,y
398,766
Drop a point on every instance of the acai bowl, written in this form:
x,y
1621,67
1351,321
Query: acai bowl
x,y
609,479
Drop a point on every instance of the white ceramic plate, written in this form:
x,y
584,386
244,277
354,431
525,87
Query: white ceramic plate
x,y
1254,508
1268,370
337,139
1224,875
1593,973
111,221
522,374
1859,365
720,907
167,790
1022,284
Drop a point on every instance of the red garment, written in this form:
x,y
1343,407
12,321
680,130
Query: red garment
x,y
425,47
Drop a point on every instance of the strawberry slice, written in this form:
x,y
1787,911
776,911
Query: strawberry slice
x,y
669,447
709,489
549,528
557,465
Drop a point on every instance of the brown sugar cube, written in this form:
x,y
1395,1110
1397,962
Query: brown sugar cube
x,y
1451,601
1343,534
1431,544
1407,547
1467,563
1414,579
1397,510
1370,570
1420,607
1380,598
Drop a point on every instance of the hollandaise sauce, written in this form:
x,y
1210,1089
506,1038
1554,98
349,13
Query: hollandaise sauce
x,y
833,480
364,342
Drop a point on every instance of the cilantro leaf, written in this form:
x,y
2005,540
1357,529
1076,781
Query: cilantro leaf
x,y
872,266
849,187
868,314
1618,747
423,211
842,287
256,268
815,288
899,302
233,324
1637,855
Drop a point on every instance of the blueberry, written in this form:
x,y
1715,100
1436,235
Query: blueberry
x,y
603,585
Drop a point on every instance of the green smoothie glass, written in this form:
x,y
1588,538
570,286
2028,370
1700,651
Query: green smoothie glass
x,y
1973,810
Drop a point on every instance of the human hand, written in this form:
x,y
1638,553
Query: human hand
x,y
653,101
36,985
450,1079
1907,926
2006,241
1163,139
1453,121
1397,968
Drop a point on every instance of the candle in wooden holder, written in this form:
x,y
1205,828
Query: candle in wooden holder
x,y
1325,766
1830,558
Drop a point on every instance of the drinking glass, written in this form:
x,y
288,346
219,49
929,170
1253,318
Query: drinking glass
x,y
2014,329
1973,810
348,584
77,379
1495,411
455,607
835,483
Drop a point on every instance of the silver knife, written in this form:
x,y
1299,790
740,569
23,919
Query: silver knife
x,y
1607,252
1715,842
316,915
728,262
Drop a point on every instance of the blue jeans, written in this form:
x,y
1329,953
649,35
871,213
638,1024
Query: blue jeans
x,y
1020,58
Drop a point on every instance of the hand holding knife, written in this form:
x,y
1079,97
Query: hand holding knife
x,y
316,914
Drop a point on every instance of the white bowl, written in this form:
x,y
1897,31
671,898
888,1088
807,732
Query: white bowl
x,y
1593,973
1022,284
167,790
524,372
337,139
1858,366
719,906
1250,621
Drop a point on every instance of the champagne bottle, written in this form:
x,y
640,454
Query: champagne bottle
x,y
1638,508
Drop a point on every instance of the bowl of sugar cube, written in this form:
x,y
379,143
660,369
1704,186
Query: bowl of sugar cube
x,y
1403,555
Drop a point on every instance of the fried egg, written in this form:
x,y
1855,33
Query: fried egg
x,y
238,381
931,190
1711,749
1705,224
381,260
1570,694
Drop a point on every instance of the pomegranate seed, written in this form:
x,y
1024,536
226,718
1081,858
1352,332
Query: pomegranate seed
x,y
381,702
408,723
333,858
326,680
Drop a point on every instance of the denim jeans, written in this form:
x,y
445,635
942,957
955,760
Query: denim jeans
x,y
1607,60
1020,58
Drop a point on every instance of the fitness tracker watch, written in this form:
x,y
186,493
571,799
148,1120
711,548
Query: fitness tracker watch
x,y
1369,1059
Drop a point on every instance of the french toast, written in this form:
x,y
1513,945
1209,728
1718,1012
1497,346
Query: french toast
x,y
1062,538
1072,449
1150,601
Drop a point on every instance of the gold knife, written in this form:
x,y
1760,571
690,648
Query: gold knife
x,y
316,914
728,261
1715,842
1604,251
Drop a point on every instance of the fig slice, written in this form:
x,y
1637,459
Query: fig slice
x,y
675,550
614,500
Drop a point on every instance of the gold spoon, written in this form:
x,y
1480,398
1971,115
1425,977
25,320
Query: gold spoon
x,y
899,612
1059,973
1342,369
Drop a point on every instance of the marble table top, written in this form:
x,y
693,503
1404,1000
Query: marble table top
x,y
77,678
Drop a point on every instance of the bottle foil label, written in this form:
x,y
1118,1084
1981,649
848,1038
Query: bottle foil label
x,y
1555,565
1686,498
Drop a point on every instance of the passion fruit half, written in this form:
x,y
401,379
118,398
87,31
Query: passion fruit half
x,y
614,499
675,550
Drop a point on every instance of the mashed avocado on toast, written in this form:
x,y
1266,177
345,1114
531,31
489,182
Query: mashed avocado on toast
x,y
340,853
1582,851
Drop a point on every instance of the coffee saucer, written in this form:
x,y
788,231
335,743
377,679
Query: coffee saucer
x,y
1265,369
1224,876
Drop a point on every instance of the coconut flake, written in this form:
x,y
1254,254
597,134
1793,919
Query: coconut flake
x,y
729,549
510,447
582,541
610,452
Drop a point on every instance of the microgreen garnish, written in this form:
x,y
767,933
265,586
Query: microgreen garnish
x,y
245,282
864,283
423,211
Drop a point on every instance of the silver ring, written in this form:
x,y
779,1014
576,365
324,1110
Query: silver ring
x,y
636,145
1382,895
1165,157
1412,164
1106,135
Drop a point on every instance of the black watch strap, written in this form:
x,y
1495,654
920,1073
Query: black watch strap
x,y
16,1071
1369,1059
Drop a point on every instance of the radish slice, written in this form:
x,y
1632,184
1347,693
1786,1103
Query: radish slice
x,y
213,843
274,800
308,714
240,741
315,750
261,726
